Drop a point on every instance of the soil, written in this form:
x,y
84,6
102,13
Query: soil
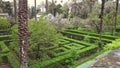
x,y
5,66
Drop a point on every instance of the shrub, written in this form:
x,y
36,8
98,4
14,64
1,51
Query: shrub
x,y
3,23
41,35
9,56
113,45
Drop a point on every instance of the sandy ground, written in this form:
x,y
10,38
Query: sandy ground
x,y
5,66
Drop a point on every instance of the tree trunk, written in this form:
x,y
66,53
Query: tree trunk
x,y
38,52
46,6
35,10
15,11
101,19
23,32
117,2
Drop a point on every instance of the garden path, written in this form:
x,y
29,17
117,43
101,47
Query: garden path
x,y
112,60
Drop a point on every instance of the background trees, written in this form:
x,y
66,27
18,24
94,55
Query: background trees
x,y
35,9
101,21
15,11
6,7
116,13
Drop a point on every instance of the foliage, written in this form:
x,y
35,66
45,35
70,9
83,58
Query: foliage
x,y
53,9
70,56
113,45
87,59
32,12
59,9
109,21
45,33
4,48
44,36
93,21
3,23
7,7
5,38
11,58
76,21
78,36
58,21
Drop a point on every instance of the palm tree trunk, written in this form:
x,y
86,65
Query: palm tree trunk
x,y
35,10
101,20
23,32
117,2
15,11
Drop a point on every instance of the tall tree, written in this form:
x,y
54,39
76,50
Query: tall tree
x,y
46,6
0,3
23,32
101,19
15,11
117,2
6,7
35,10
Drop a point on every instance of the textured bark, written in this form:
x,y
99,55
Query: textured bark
x,y
101,19
35,10
117,2
15,11
23,32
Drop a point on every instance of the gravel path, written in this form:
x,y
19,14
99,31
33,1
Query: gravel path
x,y
112,60
5,66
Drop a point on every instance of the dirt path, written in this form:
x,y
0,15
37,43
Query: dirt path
x,y
5,66
112,60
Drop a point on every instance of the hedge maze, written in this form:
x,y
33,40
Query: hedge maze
x,y
73,41
8,55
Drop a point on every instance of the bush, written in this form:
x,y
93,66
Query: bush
x,y
113,45
3,24
42,35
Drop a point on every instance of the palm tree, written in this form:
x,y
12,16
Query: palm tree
x,y
35,10
15,11
117,2
101,20
23,32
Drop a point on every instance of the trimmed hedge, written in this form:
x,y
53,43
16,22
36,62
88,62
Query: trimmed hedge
x,y
94,34
4,32
54,53
57,59
5,37
78,46
4,47
11,58
64,42
14,63
90,37
78,42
